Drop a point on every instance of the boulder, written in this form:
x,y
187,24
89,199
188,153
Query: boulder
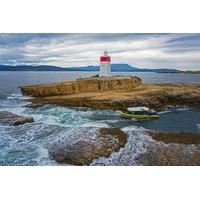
x,y
13,119
82,152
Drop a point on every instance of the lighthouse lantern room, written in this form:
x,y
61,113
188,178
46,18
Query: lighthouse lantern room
x,y
105,66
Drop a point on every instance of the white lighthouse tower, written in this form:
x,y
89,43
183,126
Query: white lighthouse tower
x,y
105,66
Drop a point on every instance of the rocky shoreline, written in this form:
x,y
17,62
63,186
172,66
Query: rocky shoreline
x,y
156,96
164,149
83,152
172,149
92,143
171,155
116,92
179,138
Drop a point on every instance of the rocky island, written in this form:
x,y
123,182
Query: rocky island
x,y
113,93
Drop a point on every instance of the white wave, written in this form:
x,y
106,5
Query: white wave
x,y
71,120
108,121
95,124
51,120
19,97
137,143
133,129
164,112
18,110
182,108
62,116
174,109
43,157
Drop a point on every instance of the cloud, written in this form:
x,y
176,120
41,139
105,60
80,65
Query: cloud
x,y
181,51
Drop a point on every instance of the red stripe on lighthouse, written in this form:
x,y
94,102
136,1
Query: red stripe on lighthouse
x,y
105,58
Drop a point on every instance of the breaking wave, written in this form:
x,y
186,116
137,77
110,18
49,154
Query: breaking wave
x,y
28,144
137,143
174,109
19,97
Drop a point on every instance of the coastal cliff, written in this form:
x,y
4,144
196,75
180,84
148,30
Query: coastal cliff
x,y
152,95
93,84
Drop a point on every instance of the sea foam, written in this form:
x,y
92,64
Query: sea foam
x,y
137,144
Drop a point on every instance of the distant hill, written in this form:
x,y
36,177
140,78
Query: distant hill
x,y
114,68
30,68
128,68
192,72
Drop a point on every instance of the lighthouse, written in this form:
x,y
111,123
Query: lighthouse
x,y
105,66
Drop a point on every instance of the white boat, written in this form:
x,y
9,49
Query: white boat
x,y
139,113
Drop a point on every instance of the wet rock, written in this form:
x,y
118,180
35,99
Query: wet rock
x,y
82,152
181,137
171,155
80,108
172,149
33,105
13,119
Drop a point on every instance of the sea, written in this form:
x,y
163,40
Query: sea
x,y
28,144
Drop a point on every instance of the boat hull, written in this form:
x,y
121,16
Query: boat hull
x,y
126,115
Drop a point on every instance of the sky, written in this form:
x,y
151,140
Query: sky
x,y
174,51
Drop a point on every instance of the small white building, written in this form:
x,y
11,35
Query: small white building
x,y
105,65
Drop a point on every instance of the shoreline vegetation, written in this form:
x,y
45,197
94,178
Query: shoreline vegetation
x,y
118,93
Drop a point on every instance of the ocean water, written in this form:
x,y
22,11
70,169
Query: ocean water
x,y
28,144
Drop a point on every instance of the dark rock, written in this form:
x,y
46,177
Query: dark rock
x,y
13,119
80,108
82,152
33,105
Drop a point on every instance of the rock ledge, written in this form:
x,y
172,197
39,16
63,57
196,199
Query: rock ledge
x,y
9,118
82,152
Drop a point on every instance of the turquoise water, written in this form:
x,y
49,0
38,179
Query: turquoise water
x,y
28,144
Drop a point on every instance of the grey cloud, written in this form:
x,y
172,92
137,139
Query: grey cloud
x,y
180,51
